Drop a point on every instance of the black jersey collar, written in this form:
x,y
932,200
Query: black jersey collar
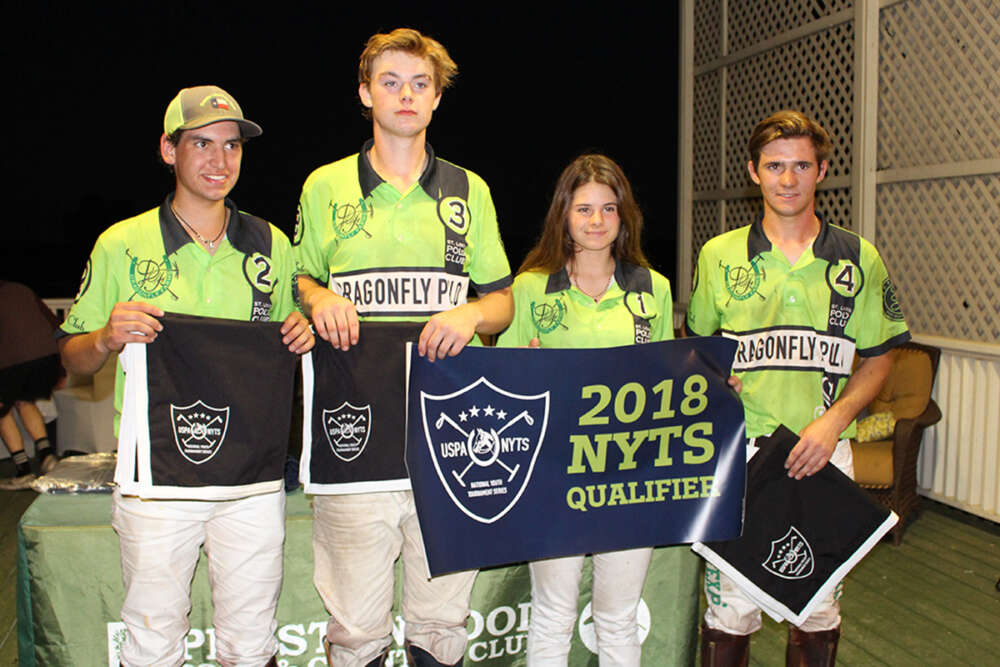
x,y
175,236
369,179
558,281
826,245
630,278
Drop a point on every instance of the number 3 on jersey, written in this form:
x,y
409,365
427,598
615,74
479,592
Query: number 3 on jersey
x,y
454,212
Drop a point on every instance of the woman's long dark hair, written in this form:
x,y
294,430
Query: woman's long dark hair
x,y
555,246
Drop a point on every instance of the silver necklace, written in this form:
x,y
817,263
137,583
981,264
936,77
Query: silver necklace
x,y
204,241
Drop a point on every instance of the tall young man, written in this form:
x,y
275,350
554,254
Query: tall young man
x,y
396,213
793,275
191,255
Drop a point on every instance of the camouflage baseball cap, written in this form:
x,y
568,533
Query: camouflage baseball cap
x,y
204,105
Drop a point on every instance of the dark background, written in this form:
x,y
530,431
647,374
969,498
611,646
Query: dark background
x,y
87,86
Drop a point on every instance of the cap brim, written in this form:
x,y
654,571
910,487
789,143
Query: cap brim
x,y
248,128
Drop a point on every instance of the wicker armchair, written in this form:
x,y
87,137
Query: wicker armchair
x,y
888,468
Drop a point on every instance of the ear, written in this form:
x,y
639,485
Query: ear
x,y
167,150
822,170
753,172
365,94
437,101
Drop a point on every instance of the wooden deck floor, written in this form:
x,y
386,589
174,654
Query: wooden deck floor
x,y
931,601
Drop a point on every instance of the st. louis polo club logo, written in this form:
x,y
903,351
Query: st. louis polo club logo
x,y
484,441
791,556
347,429
199,430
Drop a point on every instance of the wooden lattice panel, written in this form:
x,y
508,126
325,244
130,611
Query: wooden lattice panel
x,y
742,212
707,35
834,206
814,74
941,242
754,21
704,225
939,83
706,121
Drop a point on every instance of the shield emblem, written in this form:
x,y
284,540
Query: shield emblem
x,y
199,430
484,441
791,556
347,429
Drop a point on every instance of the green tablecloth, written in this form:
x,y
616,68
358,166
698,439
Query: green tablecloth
x,y
70,594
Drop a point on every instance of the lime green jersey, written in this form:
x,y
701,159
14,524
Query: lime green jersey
x,y
636,308
399,255
798,326
151,258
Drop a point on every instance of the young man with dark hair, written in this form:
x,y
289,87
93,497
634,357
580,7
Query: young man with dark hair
x,y
792,276
195,254
395,213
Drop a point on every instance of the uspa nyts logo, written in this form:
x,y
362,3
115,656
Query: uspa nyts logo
x,y
791,556
484,441
347,429
199,430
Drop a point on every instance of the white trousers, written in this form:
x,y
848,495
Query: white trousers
x,y
160,543
555,588
356,541
731,611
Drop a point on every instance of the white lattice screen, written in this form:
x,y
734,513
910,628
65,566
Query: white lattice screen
x,y
939,102
938,106
910,93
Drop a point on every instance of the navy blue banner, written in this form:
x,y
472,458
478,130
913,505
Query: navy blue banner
x,y
523,454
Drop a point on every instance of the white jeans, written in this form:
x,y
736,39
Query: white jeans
x,y
555,587
160,543
356,541
729,610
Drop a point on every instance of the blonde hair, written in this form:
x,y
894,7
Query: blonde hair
x,y
413,42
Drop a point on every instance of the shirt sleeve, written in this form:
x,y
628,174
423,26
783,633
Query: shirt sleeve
x,y
881,326
311,247
663,325
702,316
285,300
488,268
521,329
98,293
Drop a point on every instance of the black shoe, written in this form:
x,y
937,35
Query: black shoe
x,y
418,657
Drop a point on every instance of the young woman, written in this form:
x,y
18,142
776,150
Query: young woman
x,y
587,284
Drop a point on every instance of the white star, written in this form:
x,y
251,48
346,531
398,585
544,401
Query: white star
x,y
501,414
488,411
474,411
462,416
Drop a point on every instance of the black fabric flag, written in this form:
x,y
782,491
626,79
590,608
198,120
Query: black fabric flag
x,y
353,423
206,411
800,537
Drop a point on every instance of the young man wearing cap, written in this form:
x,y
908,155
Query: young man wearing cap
x,y
189,255
801,296
393,214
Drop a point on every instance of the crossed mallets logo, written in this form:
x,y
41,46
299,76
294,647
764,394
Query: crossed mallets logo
x,y
347,428
199,429
483,444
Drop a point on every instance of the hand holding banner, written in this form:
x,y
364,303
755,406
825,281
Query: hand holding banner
x,y
522,454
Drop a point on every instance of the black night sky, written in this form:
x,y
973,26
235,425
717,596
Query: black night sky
x,y
87,83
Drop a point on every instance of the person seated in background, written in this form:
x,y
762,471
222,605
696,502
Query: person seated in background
x,y
29,370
